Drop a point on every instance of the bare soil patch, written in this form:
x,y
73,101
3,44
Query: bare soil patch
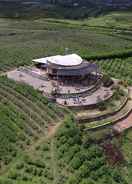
x,y
124,124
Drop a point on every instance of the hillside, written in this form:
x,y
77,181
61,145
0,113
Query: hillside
x,y
25,118
40,142
68,159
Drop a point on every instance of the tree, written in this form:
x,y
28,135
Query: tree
x,y
76,162
84,171
87,140
107,81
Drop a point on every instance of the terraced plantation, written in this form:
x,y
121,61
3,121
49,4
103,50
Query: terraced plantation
x,y
40,142
25,118
117,68
21,41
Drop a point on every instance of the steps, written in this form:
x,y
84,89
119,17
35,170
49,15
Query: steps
x,y
83,94
125,123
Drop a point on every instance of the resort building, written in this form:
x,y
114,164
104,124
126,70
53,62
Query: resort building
x,y
68,67
69,80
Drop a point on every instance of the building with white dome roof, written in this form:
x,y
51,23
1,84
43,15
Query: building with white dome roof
x,y
66,66
68,80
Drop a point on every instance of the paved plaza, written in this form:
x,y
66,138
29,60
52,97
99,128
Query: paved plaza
x,y
40,81
99,95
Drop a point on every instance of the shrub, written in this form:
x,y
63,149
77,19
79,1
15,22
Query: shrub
x,y
20,165
72,180
13,175
6,181
116,175
87,181
45,147
102,106
107,81
26,177
76,162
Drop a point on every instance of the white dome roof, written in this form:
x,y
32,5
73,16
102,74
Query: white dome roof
x,y
66,60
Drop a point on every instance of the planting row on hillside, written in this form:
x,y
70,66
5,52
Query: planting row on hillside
x,y
22,41
117,68
25,117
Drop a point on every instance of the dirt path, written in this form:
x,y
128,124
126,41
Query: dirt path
x,y
52,129
51,132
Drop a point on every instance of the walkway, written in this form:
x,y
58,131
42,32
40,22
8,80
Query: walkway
x,y
99,95
126,122
114,119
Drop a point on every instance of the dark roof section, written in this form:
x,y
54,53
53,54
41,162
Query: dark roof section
x,y
80,70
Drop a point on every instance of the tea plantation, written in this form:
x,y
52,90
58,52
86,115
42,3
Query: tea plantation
x,y
65,159
29,152
25,118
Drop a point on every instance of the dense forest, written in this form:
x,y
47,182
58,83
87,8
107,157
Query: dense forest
x,y
73,9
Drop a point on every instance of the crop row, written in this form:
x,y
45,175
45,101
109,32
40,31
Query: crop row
x,y
117,68
25,117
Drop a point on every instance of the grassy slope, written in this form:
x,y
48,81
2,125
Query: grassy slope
x,y
115,19
121,19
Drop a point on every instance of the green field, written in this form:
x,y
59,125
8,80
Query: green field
x,y
28,155
21,41
120,20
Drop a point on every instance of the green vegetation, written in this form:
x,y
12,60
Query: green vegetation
x,y
119,19
117,68
23,40
66,159
28,155
57,9
122,110
25,118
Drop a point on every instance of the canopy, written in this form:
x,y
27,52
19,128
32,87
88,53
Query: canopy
x,y
66,60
